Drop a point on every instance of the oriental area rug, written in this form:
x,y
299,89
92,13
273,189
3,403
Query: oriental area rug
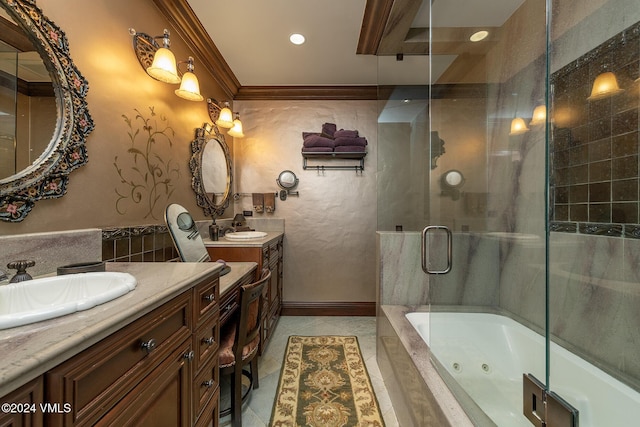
x,y
324,383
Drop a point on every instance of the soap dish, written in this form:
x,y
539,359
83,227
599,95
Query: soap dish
x,y
83,267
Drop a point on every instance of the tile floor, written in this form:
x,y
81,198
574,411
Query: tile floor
x,y
257,411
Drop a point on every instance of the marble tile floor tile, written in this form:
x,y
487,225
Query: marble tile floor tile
x,y
257,411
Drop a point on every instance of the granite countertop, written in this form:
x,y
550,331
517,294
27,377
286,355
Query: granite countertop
x,y
222,242
31,350
238,270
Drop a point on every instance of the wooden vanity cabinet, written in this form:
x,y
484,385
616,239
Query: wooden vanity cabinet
x,y
29,397
270,254
161,369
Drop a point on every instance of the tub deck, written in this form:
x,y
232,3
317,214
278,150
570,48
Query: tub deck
x,y
486,354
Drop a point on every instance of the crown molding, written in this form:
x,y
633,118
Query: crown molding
x,y
246,93
187,24
376,15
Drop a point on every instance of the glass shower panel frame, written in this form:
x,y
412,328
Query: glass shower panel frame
x,y
497,215
593,292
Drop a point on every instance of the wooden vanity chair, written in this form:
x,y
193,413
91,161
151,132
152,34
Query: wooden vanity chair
x,y
239,341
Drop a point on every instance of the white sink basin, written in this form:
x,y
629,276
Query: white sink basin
x,y
245,235
41,299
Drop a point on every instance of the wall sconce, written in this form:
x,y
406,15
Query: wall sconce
x,y
189,87
160,64
539,115
605,85
236,130
225,117
518,127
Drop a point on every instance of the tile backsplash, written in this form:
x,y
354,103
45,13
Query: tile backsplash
x,y
144,243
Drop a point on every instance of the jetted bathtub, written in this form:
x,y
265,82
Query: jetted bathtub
x,y
486,354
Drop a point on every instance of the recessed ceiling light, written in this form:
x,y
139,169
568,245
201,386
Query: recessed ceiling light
x,y
480,35
296,38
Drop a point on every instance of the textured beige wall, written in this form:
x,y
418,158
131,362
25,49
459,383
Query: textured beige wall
x,y
330,228
101,48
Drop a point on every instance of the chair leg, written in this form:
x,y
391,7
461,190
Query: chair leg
x,y
254,373
236,397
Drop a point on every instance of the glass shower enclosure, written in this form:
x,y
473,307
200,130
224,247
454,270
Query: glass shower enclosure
x,y
522,172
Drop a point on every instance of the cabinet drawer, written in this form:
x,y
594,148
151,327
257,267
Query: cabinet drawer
x,y
161,399
205,385
206,298
94,380
211,413
206,342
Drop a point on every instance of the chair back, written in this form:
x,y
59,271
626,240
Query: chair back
x,y
251,303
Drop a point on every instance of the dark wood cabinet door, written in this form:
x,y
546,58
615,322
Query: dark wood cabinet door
x,y
24,406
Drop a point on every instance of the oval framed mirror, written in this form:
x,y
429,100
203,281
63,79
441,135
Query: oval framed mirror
x,y
47,176
287,180
210,166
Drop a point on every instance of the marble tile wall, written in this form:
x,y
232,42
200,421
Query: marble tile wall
x,y
50,250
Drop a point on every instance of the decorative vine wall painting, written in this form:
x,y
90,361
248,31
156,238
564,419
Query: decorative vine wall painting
x,y
146,178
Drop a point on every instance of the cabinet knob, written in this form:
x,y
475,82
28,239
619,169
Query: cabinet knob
x,y
189,356
149,346
208,383
209,298
229,307
209,340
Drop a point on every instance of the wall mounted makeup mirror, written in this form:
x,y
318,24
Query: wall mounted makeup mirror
x,y
451,182
287,180
46,174
210,166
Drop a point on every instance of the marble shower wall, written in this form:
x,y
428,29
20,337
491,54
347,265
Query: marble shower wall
x,y
331,225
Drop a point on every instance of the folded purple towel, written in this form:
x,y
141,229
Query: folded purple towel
x,y
350,141
317,149
318,141
305,135
350,149
328,129
345,133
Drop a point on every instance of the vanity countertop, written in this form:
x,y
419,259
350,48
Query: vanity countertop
x,y
31,350
222,242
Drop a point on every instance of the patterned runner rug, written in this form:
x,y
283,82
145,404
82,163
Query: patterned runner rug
x,y
324,383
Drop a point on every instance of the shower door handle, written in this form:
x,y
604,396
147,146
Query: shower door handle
x,y
423,249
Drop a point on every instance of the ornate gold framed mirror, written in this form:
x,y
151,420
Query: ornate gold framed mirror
x,y
210,166
47,176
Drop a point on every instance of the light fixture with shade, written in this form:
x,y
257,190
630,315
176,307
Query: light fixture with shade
x,y
189,87
160,64
604,86
518,126
539,115
225,118
236,130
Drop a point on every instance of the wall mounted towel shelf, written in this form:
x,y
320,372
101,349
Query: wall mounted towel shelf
x,y
331,156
